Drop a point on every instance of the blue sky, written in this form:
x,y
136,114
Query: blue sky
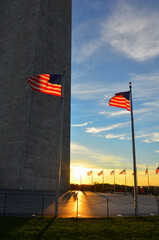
x,y
114,42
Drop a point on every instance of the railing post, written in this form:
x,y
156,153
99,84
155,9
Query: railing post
x,y
158,206
42,208
107,207
77,220
77,206
5,204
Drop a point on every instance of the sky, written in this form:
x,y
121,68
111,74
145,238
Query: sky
x,y
114,42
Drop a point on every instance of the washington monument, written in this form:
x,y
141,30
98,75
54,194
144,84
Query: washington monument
x,y
35,39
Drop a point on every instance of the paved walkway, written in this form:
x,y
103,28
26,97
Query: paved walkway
x,y
102,205
76,203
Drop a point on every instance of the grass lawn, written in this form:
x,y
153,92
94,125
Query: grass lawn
x,y
66,228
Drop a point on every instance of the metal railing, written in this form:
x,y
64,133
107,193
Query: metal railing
x,y
77,205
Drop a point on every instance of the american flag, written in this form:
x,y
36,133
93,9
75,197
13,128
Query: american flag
x,y
157,170
146,172
100,173
122,172
133,173
112,172
46,83
89,173
121,100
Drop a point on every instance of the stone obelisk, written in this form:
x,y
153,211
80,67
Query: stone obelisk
x,y
35,39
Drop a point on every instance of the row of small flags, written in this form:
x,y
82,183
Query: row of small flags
x,y
122,172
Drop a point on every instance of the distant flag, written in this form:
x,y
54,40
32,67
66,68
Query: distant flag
x,y
112,172
146,172
100,173
133,173
89,173
121,100
157,170
122,172
46,83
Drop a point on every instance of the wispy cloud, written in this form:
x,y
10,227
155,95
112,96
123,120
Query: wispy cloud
x,y
149,83
117,113
82,124
104,129
77,148
129,30
94,158
95,4
79,125
149,137
157,151
133,32
118,136
86,91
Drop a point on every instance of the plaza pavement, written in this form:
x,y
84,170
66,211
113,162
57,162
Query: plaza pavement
x,y
77,204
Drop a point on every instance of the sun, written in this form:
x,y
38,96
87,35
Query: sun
x,y
76,174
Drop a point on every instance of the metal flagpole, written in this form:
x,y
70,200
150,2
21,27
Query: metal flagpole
x,y
81,179
27,127
60,145
125,181
114,179
103,176
148,178
103,180
134,157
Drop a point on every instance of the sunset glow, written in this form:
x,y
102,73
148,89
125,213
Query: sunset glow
x,y
79,176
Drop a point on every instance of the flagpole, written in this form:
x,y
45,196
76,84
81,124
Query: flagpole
x,y
134,157
59,158
148,178
103,180
125,181
81,179
114,179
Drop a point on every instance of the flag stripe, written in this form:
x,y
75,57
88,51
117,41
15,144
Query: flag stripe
x,y
45,91
89,173
100,173
122,172
41,83
120,100
44,82
45,86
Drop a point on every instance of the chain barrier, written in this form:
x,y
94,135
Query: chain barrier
x,y
92,203
10,203
23,201
146,203
67,202
119,204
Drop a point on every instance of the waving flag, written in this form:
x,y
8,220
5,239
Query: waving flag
x,y
146,172
133,173
100,173
46,83
122,172
112,172
157,170
89,173
121,100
